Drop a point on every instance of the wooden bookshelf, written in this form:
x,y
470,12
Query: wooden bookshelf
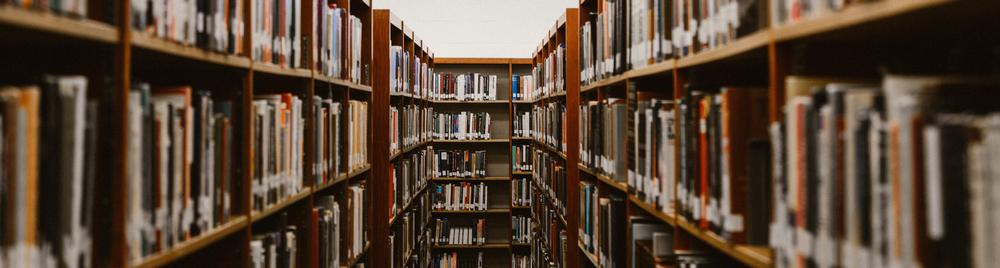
x,y
58,26
148,42
193,245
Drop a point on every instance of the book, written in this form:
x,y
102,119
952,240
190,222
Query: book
x,y
357,135
522,87
279,129
551,74
277,33
521,158
328,164
459,232
337,49
548,122
408,125
520,192
276,249
407,175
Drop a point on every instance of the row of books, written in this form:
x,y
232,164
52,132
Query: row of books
x,y
399,70
408,125
522,123
406,176
602,225
897,173
464,196
520,192
551,74
521,229
602,42
649,32
326,219
464,87
652,176
550,174
522,87
520,261
456,260
459,232
72,8
465,125
628,35
327,164
722,167
276,249
277,32
181,176
47,209
279,130
549,124
210,25
338,39
794,11
550,245
655,237
520,157
460,163
407,237
357,220
603,129
357,135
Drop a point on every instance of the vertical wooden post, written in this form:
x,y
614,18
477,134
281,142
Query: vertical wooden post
x,y
379,151
572,76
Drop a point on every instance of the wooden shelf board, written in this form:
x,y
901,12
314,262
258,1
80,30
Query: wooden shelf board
x,y
754,256
56,24
484,246
358,171
551,149
194,244
164,46
472,141
473,60
604,82
651,210
336,180
470,102
521,139
520,207
760,39
652,69
520,61
342,82
488,211
449,179
520,244
852,15
408,149
589,256
257,216
277,70
603,178
522,101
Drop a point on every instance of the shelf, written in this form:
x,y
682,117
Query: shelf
x,y
604,82
589,256
552,96
488,211
853,15
754,256
484,246
551,149
488,61
409,202
257,216
520,244
603,178
359,171
760,39
521,173
522,102
343,83
336,180
277,70
521,139
160,45
470,102
52,23
520,207
452,179
408,149
651,210
194,244
473,141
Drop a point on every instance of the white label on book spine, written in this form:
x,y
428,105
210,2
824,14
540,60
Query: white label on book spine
x,y
935,210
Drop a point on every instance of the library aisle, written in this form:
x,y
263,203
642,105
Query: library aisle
x,y
636,133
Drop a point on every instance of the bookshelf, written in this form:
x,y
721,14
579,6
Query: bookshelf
x,y
498,172
133,55
766,58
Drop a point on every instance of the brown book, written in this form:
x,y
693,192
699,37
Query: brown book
x,y
744,120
